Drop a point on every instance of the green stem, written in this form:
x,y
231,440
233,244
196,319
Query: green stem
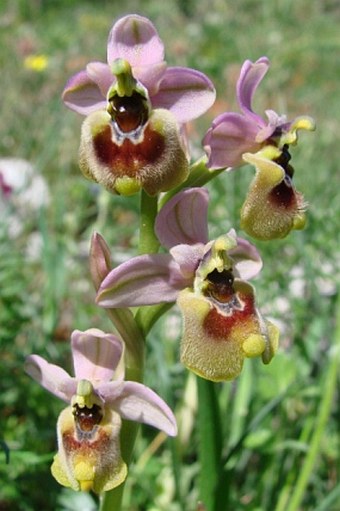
x,y
133,331
210,441
198,177
112,500
131,334
325,406
146,317
148,242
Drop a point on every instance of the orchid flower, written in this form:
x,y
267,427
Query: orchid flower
x,y
89,456
208,280
232,134
187,93
135,105
273,207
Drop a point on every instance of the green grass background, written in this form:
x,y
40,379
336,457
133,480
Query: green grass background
x,y
270,413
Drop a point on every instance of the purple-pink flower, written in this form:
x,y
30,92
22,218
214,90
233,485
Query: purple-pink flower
x,y
208,279
133,135
182,228
186,92
98,397
232,134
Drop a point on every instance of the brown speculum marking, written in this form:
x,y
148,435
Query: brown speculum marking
x,y
220,285
283,194
87,418
220,291
222,318
127,158
129,112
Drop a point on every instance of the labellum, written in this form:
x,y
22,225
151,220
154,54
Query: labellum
x,y
222,327
273,207
88,455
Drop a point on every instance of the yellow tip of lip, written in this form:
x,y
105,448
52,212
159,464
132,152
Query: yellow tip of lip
x,y
86,485
127,186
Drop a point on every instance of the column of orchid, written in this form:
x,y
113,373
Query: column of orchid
x,y
133,141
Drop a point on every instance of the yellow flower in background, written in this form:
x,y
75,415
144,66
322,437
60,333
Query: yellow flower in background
x,y
36,63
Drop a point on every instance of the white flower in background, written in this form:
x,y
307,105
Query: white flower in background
x,y
23,191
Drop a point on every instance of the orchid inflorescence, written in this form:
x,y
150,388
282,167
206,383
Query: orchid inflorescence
x,y
133,140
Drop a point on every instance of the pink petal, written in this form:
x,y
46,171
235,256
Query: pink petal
x,y
187,93
95,354
188,258
230,135
100,74
83,95
251,75
139,403
184,219
52,377
135,39
150,76
144,280
109,391
274,121
247,260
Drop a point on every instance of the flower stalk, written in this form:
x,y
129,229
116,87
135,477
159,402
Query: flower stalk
x,y
148,241
134,140
210,442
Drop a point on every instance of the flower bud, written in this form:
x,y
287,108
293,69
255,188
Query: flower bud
x,y
100,259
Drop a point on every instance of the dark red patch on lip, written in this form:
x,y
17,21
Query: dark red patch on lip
x,y
100,444
283,195
128,158
219,326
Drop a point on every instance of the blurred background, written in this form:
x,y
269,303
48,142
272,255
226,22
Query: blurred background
x,y
48,212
